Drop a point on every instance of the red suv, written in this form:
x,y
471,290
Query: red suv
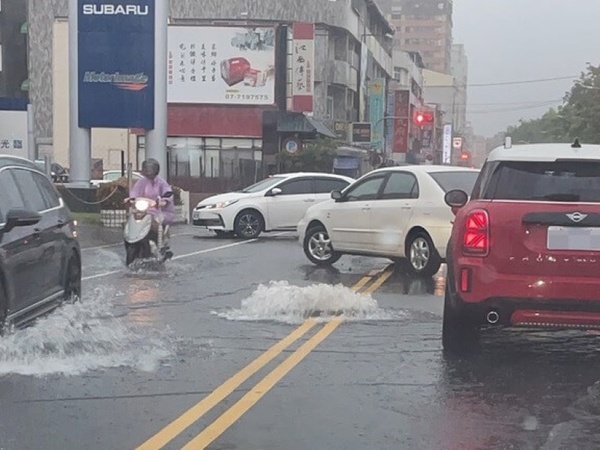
x,y
525,249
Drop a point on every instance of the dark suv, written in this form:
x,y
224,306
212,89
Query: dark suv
x,y
40,259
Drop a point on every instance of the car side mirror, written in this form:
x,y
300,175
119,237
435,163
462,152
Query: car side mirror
x,y
336,195
21,218
276,191
456,199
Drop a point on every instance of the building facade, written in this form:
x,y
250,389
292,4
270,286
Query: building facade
x,y
424,26
13,49
207,137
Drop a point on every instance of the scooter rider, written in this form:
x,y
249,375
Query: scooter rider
x,y
153,186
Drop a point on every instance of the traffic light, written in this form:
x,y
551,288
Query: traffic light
x,y
423,118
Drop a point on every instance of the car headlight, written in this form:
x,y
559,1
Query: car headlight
x,y
221,205
142,205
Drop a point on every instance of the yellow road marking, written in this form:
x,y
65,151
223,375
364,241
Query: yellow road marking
x,y
191,416
379,282
232,415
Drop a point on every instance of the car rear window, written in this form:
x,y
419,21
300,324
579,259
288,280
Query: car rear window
x,y
552,181
449,181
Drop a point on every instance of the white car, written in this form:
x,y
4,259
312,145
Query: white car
x,y
114,175
396,213
276,203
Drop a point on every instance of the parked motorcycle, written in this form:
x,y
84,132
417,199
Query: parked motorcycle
x,y
141,242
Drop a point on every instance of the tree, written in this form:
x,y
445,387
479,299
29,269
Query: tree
x,y
315,156
578,117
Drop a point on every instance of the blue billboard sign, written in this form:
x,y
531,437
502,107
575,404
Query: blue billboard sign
x,y
116,63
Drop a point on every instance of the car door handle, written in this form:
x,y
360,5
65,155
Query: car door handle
x,y
366,208
309,200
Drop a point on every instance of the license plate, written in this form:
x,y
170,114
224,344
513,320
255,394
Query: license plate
x,y
573,238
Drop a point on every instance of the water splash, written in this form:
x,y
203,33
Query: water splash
x,y
281,302
81,337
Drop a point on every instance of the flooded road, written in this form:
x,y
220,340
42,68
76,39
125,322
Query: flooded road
x,y
246,346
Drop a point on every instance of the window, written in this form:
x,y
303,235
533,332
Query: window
x,y
401,186
262,185
328,185
366,190
11,197
112,176
295,187
552,181
449,181
34,200
50,195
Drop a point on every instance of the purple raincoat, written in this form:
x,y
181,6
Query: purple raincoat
x,y
153,190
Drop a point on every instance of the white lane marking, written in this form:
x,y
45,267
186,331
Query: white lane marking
x,y
100,247
187,255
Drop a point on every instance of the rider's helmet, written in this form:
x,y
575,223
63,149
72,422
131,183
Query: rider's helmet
x,y
150,168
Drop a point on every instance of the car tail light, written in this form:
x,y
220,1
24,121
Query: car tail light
x,y
477,234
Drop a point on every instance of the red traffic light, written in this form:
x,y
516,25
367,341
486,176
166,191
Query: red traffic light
x,y
423,117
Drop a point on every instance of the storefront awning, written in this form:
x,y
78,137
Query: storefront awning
x,y
299,123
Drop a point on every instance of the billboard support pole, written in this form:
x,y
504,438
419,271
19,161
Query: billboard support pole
x,y
156,139
80,153
31,147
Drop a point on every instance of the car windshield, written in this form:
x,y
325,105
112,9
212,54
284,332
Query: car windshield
x,y
449,181
560,181
263,185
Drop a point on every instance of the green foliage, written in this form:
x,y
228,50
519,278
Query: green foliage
x,y
315,156
578,117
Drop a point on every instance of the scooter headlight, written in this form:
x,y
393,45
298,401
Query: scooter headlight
x,y
142,205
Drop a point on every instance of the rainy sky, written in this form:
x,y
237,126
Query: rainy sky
x,y
513,40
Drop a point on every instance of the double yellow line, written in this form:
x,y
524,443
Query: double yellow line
x,y
374,281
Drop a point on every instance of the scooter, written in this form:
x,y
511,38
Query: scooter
x,y
141,243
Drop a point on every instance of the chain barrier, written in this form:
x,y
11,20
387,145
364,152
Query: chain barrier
x,y
114,191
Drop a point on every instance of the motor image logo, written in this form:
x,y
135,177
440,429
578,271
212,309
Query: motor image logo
x,y
128,82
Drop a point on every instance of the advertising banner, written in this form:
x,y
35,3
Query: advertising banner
x,y
13,133
389,135
303,67
402,121
377,111
221,65
447,144
364,60
116,64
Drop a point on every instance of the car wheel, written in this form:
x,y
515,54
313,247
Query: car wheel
x,y
460,335
73,281
318,248
423,258
249,224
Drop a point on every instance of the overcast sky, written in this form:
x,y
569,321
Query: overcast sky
x,y
512,40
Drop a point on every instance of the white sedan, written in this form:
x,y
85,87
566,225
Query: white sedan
x,y
114,175
276,203
396,213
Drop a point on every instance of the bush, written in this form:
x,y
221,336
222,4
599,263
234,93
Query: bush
x,y
117,199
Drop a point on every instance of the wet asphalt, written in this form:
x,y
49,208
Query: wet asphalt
x,y
143,348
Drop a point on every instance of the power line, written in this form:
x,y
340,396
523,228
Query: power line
x,y
501,110
539,80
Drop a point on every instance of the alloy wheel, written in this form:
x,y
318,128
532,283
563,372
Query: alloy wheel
x,y
419,253
319,246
